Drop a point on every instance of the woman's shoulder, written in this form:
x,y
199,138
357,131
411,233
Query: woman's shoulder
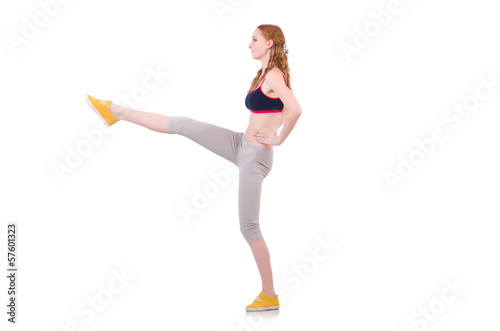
x,y
274,73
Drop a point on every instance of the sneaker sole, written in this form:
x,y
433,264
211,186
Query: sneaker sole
x,y
96,111
264,308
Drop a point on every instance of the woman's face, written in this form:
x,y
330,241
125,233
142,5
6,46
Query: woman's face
x,y
259,45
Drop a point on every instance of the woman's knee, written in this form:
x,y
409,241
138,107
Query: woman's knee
x,y
250,230
177,123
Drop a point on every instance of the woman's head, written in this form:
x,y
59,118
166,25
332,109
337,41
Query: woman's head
x,y
268,40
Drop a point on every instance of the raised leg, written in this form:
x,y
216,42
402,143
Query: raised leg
x,y
152,121
219,140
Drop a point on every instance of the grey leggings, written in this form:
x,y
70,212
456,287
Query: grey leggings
x,y
254,163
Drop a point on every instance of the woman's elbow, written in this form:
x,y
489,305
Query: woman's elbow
x,y
294,111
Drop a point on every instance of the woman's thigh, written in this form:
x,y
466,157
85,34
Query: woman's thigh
x,y
255,163
219,140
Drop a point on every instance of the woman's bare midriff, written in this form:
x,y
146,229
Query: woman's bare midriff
x,y
266,122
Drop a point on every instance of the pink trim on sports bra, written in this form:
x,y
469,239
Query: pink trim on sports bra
x,y
260,86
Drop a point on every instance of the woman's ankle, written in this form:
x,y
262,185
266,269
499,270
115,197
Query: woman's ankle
x,y
269,293
119,112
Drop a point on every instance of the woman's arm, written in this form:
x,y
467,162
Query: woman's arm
x,y
293,110
289,123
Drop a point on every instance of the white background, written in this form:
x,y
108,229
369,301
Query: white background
x,y
118,209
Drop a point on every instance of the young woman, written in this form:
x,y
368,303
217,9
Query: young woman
x,y
271,104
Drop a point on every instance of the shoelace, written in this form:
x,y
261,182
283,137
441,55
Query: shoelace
x,y
258,298
104,103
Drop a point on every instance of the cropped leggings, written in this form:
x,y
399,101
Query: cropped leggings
x,y
254,163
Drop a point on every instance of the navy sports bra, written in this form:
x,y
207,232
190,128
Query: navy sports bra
x,y
258,102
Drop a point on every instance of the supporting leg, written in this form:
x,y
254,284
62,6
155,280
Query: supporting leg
x,y
261,254
253,170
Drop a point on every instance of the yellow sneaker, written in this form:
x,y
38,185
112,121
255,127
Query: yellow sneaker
x,y
101,108
264,302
